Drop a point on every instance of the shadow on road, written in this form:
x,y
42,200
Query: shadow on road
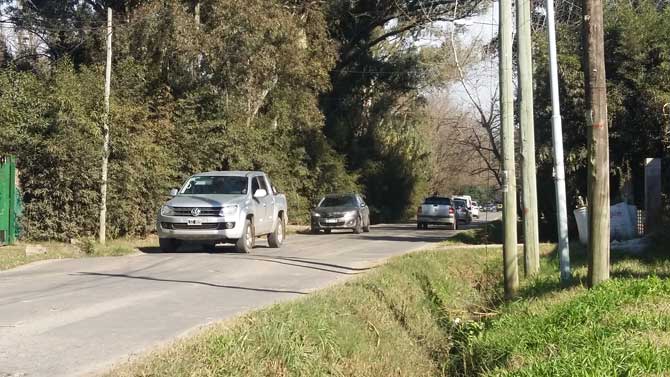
x,y
194,249
307,263
187,282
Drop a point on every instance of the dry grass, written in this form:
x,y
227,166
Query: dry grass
x,y
15,255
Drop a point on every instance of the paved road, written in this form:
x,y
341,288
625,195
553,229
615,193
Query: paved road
x,y
78,317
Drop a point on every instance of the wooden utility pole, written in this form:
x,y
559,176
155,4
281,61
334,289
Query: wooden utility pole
x,y
598,144
531,246
511,268
105,133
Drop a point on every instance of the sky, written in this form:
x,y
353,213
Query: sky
x,y
482,78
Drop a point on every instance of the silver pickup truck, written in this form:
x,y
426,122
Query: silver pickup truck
x,y
438,211
223,207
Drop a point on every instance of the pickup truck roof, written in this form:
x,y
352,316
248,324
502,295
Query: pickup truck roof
x,y
437,200
230,173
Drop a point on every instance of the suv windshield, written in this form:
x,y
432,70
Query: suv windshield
x,y
208,185
437,201
338,201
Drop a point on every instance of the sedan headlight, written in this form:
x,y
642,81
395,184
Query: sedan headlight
x,y
350,214
167,211
316,214
229,210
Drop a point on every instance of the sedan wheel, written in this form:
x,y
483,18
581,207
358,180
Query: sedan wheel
x,y
359,227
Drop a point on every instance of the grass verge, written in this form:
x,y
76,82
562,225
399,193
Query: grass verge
x,y
16,255
440,313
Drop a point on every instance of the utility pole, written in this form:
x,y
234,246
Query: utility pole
x,y
559,168
531,246
105,133
511,268
598,143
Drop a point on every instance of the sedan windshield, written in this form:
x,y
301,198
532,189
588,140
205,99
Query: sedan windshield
x,y
338,201
208,185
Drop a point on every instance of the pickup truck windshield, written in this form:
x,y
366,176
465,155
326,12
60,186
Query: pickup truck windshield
x,y
338,201
205,185
438,201
460,202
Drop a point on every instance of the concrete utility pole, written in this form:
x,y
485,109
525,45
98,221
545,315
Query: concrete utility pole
x,y
511,268
598,143
105,133
559,168
531,246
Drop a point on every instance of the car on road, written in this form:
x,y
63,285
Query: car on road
x,y
436,210
341,211
463,213
475,210
223,207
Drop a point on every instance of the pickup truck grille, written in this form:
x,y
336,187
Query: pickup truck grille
x,y
203,211
184,226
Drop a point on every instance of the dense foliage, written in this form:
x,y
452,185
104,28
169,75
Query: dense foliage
x,y
322,96
637,47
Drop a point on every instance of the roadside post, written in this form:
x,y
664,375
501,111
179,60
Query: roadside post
x,y
7,200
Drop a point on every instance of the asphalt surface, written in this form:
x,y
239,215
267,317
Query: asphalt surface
x,y
81,316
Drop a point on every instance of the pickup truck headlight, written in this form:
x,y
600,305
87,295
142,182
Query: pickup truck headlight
x,y
167,211
229,210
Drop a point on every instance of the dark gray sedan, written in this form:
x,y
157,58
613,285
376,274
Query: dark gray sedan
x,y
341,211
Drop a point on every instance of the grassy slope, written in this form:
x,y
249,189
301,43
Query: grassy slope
x,y
439,313
394,320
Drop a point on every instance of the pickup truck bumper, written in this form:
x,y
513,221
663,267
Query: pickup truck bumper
x,y
436,219
217,229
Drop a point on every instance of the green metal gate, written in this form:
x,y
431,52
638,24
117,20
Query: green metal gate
x,y
8,202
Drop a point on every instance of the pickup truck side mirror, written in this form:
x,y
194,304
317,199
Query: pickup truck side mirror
x,y
174,192
260,193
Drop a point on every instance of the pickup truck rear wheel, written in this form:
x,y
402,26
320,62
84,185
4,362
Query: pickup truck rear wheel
x,y
246,242
276,238
168,245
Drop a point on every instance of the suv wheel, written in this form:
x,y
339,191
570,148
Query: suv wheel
x,y
246,242
276,238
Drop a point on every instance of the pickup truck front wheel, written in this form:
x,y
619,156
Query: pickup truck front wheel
x,y
276,238
246,242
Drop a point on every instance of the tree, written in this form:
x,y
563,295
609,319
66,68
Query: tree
x,y
636,36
